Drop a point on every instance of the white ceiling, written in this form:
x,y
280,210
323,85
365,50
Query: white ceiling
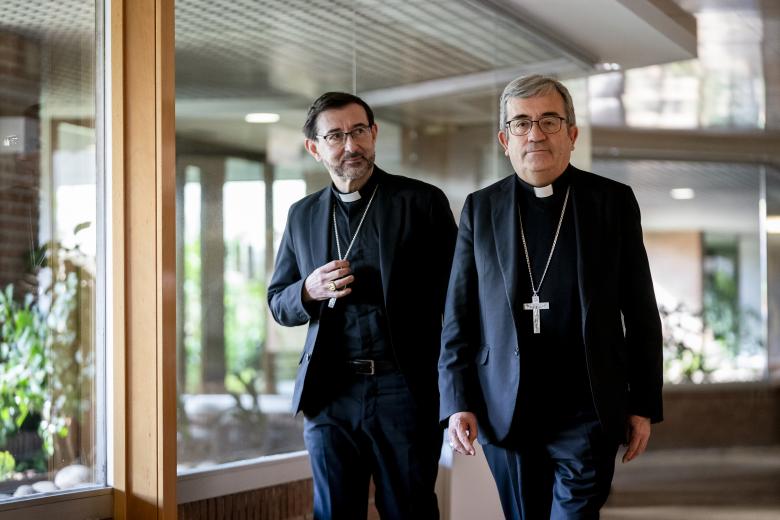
x,y
726,194
436,61
412,57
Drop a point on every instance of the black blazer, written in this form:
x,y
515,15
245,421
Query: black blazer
x,y
417,238
479,369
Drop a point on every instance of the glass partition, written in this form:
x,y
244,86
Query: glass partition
x,y
432,72
722,89
703,228
51,249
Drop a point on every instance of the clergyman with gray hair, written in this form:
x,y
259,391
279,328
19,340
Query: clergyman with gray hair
x,y
551,344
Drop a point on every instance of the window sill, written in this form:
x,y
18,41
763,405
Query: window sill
x,y
237,477
95,503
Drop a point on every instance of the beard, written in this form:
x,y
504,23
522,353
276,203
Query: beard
x,y
352,171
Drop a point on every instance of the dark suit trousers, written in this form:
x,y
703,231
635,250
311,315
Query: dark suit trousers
x,y
373,428
564,473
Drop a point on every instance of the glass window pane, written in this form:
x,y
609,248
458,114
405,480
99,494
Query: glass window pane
x,y
432,71
701,223
722,88
49,249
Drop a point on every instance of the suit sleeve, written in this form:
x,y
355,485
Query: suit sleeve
x,y
641,319
285,292
460,333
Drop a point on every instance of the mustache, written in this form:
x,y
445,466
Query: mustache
x,y
354,155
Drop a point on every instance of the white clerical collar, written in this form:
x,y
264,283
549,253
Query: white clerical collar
x,y
350,197
544,191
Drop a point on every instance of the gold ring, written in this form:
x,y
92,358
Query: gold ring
x,y
332,286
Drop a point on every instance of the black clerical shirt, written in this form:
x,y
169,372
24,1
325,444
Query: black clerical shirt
x,y
358,325
553,371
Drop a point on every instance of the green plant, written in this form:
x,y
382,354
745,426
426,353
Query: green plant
x,y
23,370
683,345
29,337
41,359
7,465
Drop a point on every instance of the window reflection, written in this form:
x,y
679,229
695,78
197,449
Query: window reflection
x,y
705,257
722,88
49,247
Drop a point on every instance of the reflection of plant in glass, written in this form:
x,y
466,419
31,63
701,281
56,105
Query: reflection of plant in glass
x,y
244,319
30,336
7,465
193,330
40,352
721,313
683,344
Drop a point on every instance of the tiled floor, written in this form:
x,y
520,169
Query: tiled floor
x,y
707,484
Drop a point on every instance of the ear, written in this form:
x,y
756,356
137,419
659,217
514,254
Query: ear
x,y
573,133
502,138
374,132
311,147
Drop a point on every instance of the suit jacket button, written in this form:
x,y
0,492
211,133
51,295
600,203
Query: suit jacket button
x,y
517,351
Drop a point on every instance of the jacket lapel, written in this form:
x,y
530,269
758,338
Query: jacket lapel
x,y
584,210
390,225
319,229
506,235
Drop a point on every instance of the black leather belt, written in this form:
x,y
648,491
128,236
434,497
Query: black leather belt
x,y
371,367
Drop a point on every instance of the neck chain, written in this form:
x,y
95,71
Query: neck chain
x,y
535,304
332,301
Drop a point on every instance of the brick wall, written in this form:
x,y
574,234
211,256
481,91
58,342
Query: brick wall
x,y
719,415
291,501
19,172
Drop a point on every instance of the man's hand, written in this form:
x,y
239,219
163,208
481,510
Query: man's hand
x,y
462,431
639,434
328,281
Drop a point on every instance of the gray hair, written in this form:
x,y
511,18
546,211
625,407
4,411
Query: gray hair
x,y
532,86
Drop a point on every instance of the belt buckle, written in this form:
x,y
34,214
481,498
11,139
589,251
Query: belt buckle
x,y
365,366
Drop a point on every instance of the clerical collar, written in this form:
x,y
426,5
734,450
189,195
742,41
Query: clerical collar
x,y
362,193
542,192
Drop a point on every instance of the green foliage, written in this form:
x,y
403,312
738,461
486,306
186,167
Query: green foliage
x,y
721,312
31,372
193,330
41,363
244,323
683,345
7,465
23,368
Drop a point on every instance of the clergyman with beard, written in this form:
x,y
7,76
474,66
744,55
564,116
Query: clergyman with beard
x,y
365,262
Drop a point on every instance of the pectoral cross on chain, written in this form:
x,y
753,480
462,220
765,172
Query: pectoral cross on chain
x,y
536,306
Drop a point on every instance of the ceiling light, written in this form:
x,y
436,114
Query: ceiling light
x,y
607,67
773,224
261,117
682,193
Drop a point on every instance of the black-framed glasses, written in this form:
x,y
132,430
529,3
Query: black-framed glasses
x,y
339,138
547,124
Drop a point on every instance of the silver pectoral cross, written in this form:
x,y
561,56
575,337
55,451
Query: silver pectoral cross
x,y
536,306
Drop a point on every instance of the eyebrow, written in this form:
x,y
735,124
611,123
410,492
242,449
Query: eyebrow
x,y
526,116
333,130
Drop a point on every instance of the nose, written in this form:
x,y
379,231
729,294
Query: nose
x,y
535,133
350,143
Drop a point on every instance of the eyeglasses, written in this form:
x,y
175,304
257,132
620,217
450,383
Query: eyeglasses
x,y
339,138
547,124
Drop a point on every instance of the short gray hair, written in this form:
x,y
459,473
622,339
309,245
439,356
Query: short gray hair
x,y
532,86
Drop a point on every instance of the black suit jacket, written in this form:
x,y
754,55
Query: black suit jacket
x,y
417,238
479,366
